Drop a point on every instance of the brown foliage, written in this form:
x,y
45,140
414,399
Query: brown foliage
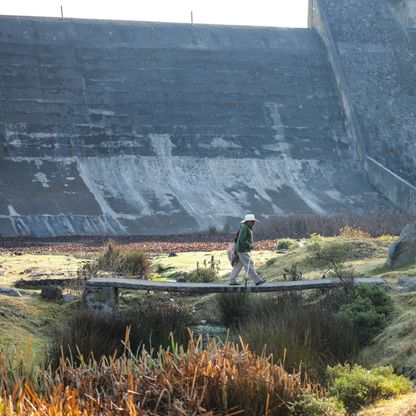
x,y
215,380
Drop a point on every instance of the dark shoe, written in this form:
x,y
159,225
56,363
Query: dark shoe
x,y
260,282
235,284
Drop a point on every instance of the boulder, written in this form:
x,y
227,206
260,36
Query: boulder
x,y
10,291
51,293
403,251
406,284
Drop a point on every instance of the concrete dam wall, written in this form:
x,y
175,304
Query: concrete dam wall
x,y
143,128
372,45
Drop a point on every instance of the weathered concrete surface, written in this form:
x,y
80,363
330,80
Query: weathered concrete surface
x,y
403,251
406,9
223,287
373,40
143,128
103,300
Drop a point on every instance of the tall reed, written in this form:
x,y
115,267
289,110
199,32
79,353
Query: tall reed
x,y
226,379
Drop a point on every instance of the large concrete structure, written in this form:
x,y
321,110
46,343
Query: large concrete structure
x,y
143,128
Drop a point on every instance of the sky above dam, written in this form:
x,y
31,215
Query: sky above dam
x,y
280,13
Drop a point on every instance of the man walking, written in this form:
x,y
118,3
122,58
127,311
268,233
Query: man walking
x,y
243,247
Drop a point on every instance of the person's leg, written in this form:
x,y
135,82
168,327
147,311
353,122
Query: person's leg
x,y
246,261
234,273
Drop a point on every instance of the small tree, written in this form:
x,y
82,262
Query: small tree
x,y
330,257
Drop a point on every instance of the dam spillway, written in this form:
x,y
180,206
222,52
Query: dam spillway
x,y
117,128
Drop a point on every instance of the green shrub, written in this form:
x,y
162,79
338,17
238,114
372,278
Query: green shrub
x,y
310,405
356,386
329,256
369,310
286,244
206,274
201,275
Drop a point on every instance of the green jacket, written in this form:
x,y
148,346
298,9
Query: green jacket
x,y
244,240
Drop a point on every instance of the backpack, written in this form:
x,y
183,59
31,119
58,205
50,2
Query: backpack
x,y
231,251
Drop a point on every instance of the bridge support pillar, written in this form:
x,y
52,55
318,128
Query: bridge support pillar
x,y
103,300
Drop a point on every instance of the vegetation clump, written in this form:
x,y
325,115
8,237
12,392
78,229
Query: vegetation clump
x,y
152,322
353,232
286,244
131,263
207,273
310,405
292,273
215,379
369,309
329,257
307,334
356,386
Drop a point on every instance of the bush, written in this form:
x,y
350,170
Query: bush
x,y
111,259
286,244
129,264
135,263
201,275
354,232
356,386
390,239
206,274
327,257
151,322
369,310
310,405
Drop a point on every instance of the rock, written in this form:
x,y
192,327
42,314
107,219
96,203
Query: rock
x,y
403,251
406,284
40,283
172,255
10,291
51,293
211,331
69,298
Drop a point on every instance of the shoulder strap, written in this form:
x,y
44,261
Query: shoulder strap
x,y
237,234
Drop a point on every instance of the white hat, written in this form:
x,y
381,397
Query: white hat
x,y
249,217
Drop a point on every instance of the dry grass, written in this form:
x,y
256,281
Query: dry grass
x,y
402,406
396,344
27,317
27,266
214,380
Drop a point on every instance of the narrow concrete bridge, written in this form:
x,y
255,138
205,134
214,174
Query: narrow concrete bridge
x,y
101,294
